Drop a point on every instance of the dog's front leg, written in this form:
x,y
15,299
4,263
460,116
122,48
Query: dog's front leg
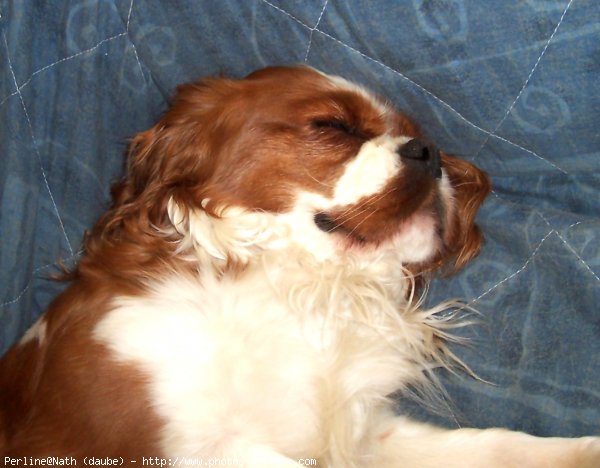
x,y
408,444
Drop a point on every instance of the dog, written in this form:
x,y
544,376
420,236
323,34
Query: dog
x,y
252,295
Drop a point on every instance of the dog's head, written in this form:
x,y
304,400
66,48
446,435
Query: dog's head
x,y
293,156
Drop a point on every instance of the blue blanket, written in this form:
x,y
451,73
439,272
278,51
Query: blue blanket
x,y
511,86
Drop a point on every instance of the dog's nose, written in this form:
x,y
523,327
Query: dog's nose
x,y
419,151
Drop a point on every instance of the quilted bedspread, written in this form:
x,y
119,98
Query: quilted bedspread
x,y
512,86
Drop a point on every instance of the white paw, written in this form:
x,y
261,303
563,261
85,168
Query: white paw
x,y
566,453
586,453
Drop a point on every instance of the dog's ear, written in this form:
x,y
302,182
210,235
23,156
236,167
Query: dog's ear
x,y
176,151
172,184
171,160
462,238
471,186
174,158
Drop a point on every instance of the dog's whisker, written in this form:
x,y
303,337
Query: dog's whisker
x,y
320,182
342,217
360,223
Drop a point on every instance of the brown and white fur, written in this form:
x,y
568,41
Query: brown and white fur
x,y
251,294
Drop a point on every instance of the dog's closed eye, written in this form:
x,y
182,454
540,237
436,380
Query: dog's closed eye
x,y
340,126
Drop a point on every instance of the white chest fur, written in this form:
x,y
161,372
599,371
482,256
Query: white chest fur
x,y
297,364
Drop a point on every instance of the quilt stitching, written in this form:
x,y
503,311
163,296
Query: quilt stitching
x,y
281,10
137,58
18,92
581,260
313,30
82,52
570,247
65,59
34,272
509,277
530,208
527,80
35,146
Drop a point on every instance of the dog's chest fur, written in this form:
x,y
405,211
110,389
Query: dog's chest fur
x,y
290,356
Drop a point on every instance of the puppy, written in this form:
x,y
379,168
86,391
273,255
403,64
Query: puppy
x,y
250,297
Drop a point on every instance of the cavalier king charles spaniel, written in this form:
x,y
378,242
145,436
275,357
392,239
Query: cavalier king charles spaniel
x,y
252,296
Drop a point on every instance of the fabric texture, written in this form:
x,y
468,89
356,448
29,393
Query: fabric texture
x,y
511,86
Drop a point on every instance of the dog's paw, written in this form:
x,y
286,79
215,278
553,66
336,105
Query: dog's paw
x,y
560,453
585,453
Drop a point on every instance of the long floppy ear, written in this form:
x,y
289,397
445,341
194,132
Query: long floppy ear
x,y
463,238
164,162
155,163
170,159
172,187
174,151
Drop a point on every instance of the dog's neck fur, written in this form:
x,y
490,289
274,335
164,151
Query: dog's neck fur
x,y
368,290
354,307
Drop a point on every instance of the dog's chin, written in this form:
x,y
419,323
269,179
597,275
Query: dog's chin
x,y
418,240
415,240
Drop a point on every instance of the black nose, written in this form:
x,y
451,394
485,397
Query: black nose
x,y
425,154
